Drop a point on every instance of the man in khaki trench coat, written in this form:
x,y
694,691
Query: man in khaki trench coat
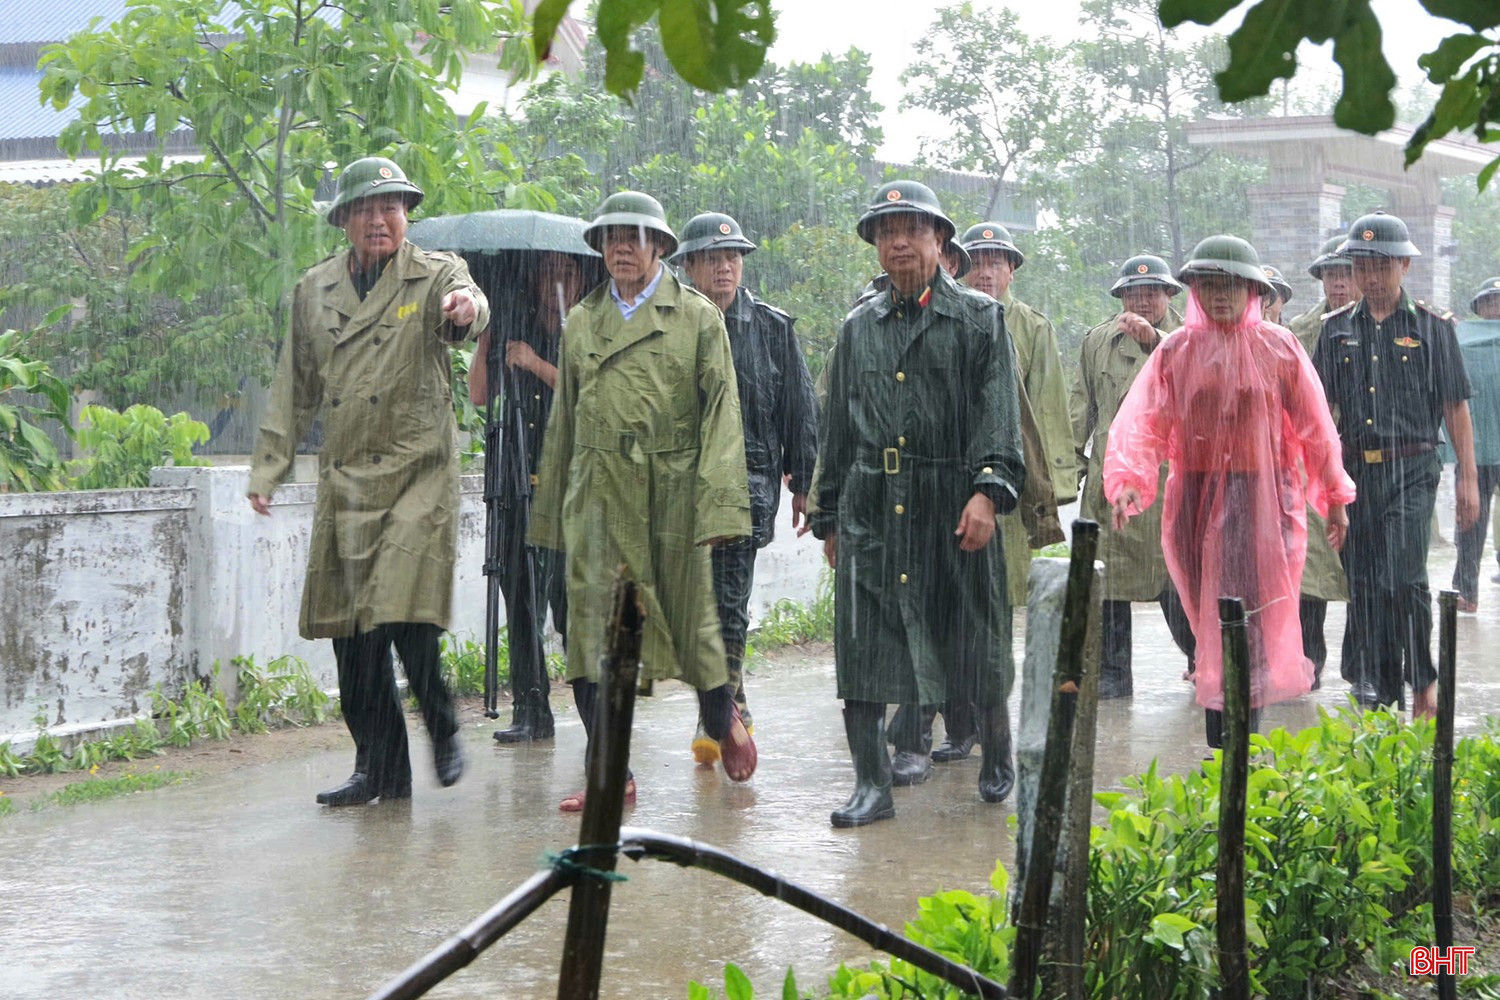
x,y
369,349
1113,354
644,465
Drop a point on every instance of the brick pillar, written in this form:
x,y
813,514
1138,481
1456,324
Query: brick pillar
x,y
1289,222
1431,226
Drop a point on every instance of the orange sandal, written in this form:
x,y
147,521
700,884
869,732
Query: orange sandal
x,y
574,803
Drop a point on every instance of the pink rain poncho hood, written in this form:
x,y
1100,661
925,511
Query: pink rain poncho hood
x,y
1240,417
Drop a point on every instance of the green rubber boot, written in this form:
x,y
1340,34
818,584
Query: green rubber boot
x,y
864,724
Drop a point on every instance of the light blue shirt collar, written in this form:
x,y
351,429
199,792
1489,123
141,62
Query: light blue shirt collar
x,y
627,309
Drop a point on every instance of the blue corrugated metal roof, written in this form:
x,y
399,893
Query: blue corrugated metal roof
x,y
24,116
23,21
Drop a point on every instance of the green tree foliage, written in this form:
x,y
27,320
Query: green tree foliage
x,y
714,45
781,156
1263,49
998,88
29,396
273,92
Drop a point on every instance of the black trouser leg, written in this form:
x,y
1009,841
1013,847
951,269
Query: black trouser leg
x,y
1471,541
418,647
1213,725
1385,559
529,584
1115,679
716,709
372,708
734,577
1312,612
1178,624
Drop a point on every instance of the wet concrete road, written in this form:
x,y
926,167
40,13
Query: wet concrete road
x,y
238,886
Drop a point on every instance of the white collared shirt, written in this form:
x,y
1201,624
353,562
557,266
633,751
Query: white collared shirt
x,y
627,309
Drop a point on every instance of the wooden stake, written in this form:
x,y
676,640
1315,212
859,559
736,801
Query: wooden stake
x,y
1031,918
1442,789
588,910
1234,955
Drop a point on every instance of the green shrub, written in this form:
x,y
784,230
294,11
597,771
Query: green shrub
x,y
1338,869
791,624
121,449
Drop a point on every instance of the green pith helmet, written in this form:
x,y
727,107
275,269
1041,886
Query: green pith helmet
x,y
993,236
1490,287
712,231
367,177
955,249
1328,257
1225,255
1378,235
1278,283
1145,269
904,196
630,208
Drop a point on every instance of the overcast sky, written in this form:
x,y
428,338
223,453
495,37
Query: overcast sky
x,y
886,29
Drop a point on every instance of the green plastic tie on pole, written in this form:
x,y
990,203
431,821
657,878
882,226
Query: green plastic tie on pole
x,y
567,861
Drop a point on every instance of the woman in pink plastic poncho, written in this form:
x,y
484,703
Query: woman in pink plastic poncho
x,y
1231,402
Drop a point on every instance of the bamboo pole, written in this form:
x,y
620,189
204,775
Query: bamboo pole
x,y
599,831
1031,919
1066,977
1442,790
1234,957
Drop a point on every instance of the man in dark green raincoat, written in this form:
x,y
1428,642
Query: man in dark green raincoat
x,y
919,449
644,465
369,349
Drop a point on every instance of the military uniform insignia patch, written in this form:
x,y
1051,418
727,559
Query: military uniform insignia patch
x,y
1407,342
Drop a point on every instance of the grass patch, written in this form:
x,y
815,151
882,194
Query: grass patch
x,y
7,806
791,624
98,789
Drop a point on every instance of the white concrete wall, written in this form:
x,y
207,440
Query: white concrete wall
x,y
109,594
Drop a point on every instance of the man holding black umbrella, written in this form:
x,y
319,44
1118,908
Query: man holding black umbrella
x,y
531,579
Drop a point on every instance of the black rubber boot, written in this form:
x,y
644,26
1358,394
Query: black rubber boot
x,y
864,724
531,720
911,765
997,771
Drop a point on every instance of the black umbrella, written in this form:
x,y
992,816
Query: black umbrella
x,y
501,248
500,230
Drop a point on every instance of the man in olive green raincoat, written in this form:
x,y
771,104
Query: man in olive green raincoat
x,y
644,464
919,449
1323,573
369,349
1111,357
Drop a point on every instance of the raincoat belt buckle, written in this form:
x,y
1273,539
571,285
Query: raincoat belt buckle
x,y
892,458
1374,456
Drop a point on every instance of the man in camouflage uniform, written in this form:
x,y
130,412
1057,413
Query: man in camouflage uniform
x,y
1393,375
1112,355
1323,573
